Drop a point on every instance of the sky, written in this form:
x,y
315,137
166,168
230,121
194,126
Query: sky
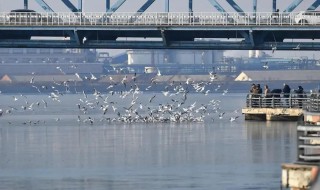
x,y
158,5
175,6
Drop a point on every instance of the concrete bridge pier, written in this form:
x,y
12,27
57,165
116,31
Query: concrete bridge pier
x,y
304,173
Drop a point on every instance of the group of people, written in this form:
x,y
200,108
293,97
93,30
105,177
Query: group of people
x,y
256,92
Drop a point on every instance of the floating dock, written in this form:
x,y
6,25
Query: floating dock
x,y
274,108
273,114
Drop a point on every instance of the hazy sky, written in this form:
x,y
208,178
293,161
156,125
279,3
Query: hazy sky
x,y
175,6
133,5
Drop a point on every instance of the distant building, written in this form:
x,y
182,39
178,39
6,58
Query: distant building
x,y
49,68
5,79
180,57
279,75
44,55
39,78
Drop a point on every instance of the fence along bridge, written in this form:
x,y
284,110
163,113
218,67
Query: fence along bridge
x,y
223,30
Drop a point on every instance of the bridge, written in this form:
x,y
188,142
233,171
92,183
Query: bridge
x,y
221,30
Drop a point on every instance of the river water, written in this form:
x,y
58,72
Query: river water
x,y
47,148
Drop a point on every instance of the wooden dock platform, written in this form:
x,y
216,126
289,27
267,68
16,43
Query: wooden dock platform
x,y
273,114
274,107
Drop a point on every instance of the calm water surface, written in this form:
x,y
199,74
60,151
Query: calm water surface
x,y
60,153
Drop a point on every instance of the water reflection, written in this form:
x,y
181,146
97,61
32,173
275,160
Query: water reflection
x,y
271,141
145,155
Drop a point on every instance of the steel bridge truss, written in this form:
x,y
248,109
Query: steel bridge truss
x,y
226,31
148,3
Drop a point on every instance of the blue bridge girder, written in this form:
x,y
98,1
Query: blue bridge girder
x,y
44,5
116,6
70,5
216,5
247,38
314,5
235,6
293,5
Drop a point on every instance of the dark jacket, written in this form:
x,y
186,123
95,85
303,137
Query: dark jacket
x,y
276,92
286,90
300,92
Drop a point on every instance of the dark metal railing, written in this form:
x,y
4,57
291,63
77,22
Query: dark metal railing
x,y
276,100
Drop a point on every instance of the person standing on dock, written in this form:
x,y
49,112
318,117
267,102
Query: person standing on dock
x,y
267,95
259,89
300,94
253,86
286,93
254,93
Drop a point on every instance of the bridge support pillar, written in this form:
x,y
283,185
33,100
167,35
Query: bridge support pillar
x,y
167,6
190,6
107,5
79,5
274,6
25,4
254,9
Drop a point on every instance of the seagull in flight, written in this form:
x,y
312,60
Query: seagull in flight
x,y
273,48
297,47
78,76
232,119
150,100
59,68
265,66
32,80
221,115
93,77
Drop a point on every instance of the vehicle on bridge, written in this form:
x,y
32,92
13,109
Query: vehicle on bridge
x,y
308,17
23,15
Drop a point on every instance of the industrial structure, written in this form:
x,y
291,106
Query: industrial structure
x,y
238,30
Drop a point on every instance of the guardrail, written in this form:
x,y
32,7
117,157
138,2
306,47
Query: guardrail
x,y
276,100
158,19
308,143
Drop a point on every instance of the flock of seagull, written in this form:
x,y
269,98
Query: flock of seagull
x,y
126,102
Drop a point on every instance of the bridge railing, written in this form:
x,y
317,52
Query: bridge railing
x,y
276,100
158,19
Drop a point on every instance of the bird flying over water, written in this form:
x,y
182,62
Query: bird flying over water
x,y
265,66
232,119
